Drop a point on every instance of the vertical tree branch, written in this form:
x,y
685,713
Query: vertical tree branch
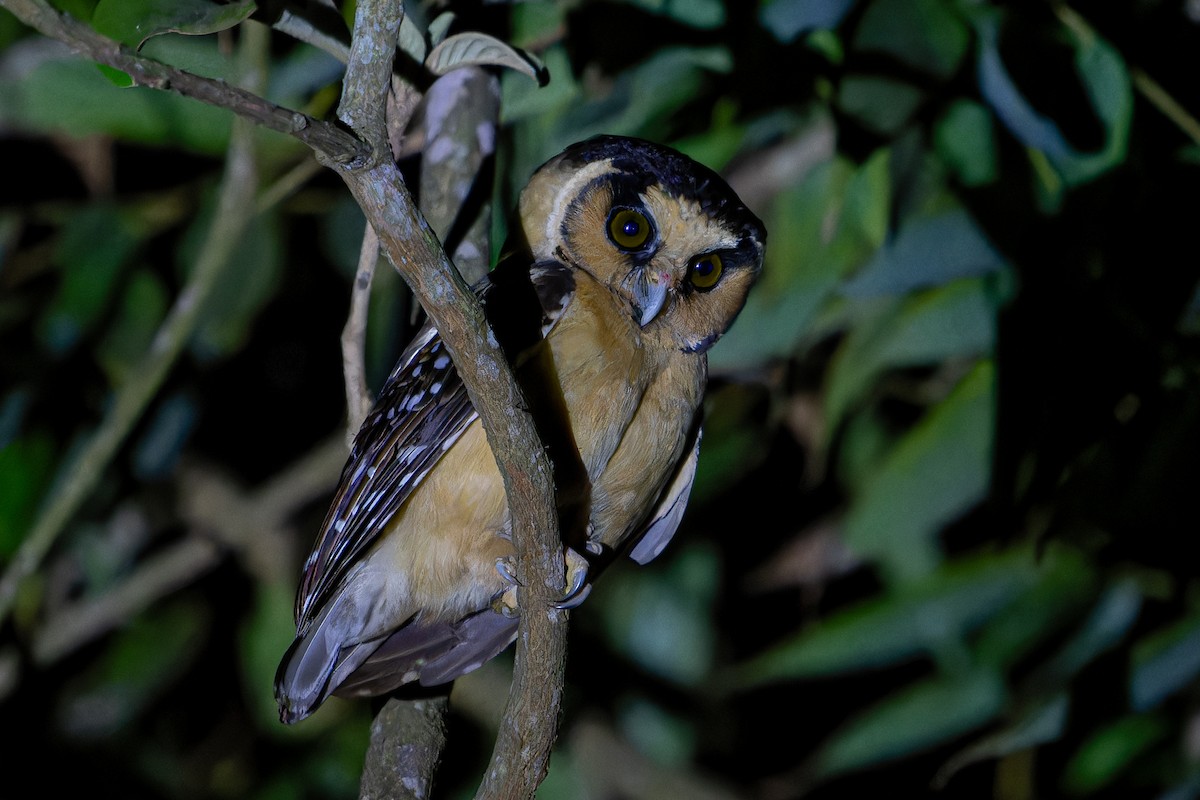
x,y
523,746
462,113
358,394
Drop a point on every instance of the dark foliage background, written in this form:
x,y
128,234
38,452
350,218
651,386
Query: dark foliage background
x,y
942,537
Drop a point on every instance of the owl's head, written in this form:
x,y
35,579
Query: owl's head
x,y
675,245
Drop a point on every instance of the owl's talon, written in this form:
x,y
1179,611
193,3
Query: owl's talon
x,y
505,603
578,588
575,599
505,567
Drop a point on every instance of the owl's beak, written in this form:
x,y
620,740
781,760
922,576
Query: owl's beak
x,y
649,292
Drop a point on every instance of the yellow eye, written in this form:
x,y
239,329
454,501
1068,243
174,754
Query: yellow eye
x,y
705,271
628,229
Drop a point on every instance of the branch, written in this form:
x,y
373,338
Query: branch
x,y
358,394
461,112
155,578
407,738
523,746
335,144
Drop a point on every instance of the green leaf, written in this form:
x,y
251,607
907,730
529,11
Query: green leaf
x,y
735,439
927,250
936,472
641,102
265,634
25,467
132,22
703,14
1106,81
966,141
954,320
661,618
1039,725
96,243
411,39
928,35
645,96
525,102
1110,619
143,307
721,142
1110,751
71,97
79,9
1066,586
439,27
869,201
914,719
474,49
13,408
883,105
926,617
536,21
243,289
787,19
664,737
10,231
820,230
1164,663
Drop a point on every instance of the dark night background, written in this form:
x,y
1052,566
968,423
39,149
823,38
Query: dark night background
x,y
941,539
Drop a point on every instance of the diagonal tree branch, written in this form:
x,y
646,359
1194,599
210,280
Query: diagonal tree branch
x,y
327,139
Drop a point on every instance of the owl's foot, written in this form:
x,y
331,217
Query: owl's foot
x,y
578,588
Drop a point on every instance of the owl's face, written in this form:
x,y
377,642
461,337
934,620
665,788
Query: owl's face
x,y
668,236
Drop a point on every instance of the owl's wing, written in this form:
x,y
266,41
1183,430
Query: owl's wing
x,y
665,518
422,410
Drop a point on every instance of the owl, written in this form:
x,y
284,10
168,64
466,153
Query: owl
x,y
627,261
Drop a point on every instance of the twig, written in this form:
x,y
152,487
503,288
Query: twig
x,y
223,518
1166,104
300,28
253,524
288,183
155,578
1151,89
358,395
